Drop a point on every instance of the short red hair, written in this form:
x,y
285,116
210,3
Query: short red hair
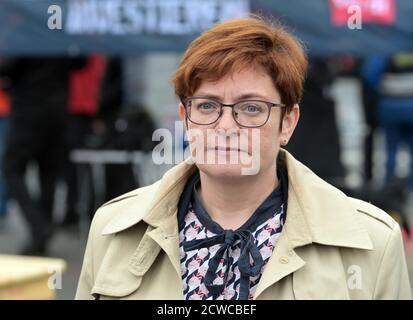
x,y
240,43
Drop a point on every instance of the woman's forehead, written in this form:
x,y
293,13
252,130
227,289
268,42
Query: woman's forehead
x,y
246,83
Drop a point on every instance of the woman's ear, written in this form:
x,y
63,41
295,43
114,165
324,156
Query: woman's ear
x,y
289,124
181,111
182,114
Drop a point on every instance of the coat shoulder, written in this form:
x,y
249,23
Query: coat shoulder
x,y
372,214
379,225
121,209
387,261
131,194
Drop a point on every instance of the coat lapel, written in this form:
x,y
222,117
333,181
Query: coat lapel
x,y
317,213
167,237
158,210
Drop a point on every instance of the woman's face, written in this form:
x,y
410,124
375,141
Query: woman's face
x,y
225,149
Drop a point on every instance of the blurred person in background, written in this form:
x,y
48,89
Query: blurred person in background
x,y
370,69
85,92
111,102
99,119
4,114
395,108
131,131
120,126
318,125
36,133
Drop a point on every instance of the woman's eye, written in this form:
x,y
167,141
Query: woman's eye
x,y
205,106
252,108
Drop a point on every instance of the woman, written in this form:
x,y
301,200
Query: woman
x,y
241,218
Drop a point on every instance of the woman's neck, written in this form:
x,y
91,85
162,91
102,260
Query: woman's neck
x,y
231,202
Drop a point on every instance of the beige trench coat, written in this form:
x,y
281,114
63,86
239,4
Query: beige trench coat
x,y
332,246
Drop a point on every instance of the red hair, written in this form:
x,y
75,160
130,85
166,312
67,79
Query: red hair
x,y
241,43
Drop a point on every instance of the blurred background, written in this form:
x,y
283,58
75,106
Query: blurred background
x,y
84,83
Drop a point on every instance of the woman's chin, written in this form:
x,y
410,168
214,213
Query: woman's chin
x,y
223,170
226,164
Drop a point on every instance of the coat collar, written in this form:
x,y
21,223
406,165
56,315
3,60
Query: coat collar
x,y
152,204
317,212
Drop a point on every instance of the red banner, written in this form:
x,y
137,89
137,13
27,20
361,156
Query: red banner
x,y
372,11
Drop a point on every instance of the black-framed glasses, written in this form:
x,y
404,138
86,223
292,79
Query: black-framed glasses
x,y
246,113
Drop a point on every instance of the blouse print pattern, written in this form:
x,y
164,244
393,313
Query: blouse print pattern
x,y
194,264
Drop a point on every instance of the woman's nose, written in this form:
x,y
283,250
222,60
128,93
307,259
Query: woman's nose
x,y
227,121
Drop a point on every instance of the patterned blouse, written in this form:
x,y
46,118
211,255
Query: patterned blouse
x,y
218,264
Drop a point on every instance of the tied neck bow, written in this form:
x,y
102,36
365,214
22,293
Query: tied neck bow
x,y
227,239
250,261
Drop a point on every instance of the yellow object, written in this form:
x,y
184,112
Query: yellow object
x,y
23,277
